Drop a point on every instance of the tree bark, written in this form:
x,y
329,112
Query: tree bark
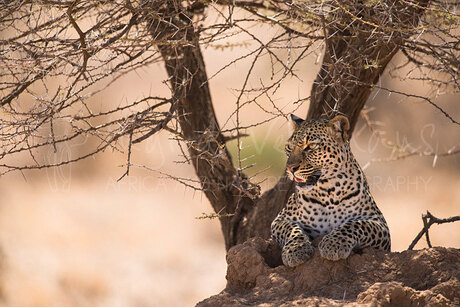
x,y
349,69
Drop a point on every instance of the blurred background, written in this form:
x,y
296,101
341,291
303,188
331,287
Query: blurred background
x,y
75,236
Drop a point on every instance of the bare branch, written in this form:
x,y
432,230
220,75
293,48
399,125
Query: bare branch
x,y
428,221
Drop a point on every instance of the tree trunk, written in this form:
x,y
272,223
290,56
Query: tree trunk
x,y
230,194
351,65
349,70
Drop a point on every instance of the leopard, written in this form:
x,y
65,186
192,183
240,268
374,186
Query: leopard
x,y
331,201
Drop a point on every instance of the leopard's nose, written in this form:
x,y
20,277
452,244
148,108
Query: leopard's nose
x,y
292,168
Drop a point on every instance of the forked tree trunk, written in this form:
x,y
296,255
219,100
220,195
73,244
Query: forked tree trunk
x,y
352,63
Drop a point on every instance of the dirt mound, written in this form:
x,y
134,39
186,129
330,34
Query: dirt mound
x,y
410,278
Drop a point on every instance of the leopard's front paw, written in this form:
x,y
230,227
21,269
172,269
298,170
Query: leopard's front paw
x,y
334,247
297,253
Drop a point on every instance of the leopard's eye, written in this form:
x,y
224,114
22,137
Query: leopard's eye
x,y
288,148
311,146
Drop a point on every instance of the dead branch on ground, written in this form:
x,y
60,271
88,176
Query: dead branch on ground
x,y
428,221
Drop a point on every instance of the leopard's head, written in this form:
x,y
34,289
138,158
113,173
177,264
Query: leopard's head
x,y
316,146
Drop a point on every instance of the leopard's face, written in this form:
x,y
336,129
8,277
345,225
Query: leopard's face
x,y
314,147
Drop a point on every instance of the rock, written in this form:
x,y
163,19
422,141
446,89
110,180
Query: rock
x,y
411,278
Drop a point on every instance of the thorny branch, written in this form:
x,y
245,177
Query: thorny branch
x,y
89,43
428,221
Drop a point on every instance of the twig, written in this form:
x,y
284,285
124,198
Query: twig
x,y
428,220
214,215
128,165
160,126
83,46
234,137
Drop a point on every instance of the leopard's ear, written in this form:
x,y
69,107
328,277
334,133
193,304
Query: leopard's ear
x,y
338,128
295,121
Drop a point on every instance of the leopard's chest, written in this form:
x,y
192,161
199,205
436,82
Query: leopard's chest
x,y
318,219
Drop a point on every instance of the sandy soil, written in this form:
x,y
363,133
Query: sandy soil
x,y
112,246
